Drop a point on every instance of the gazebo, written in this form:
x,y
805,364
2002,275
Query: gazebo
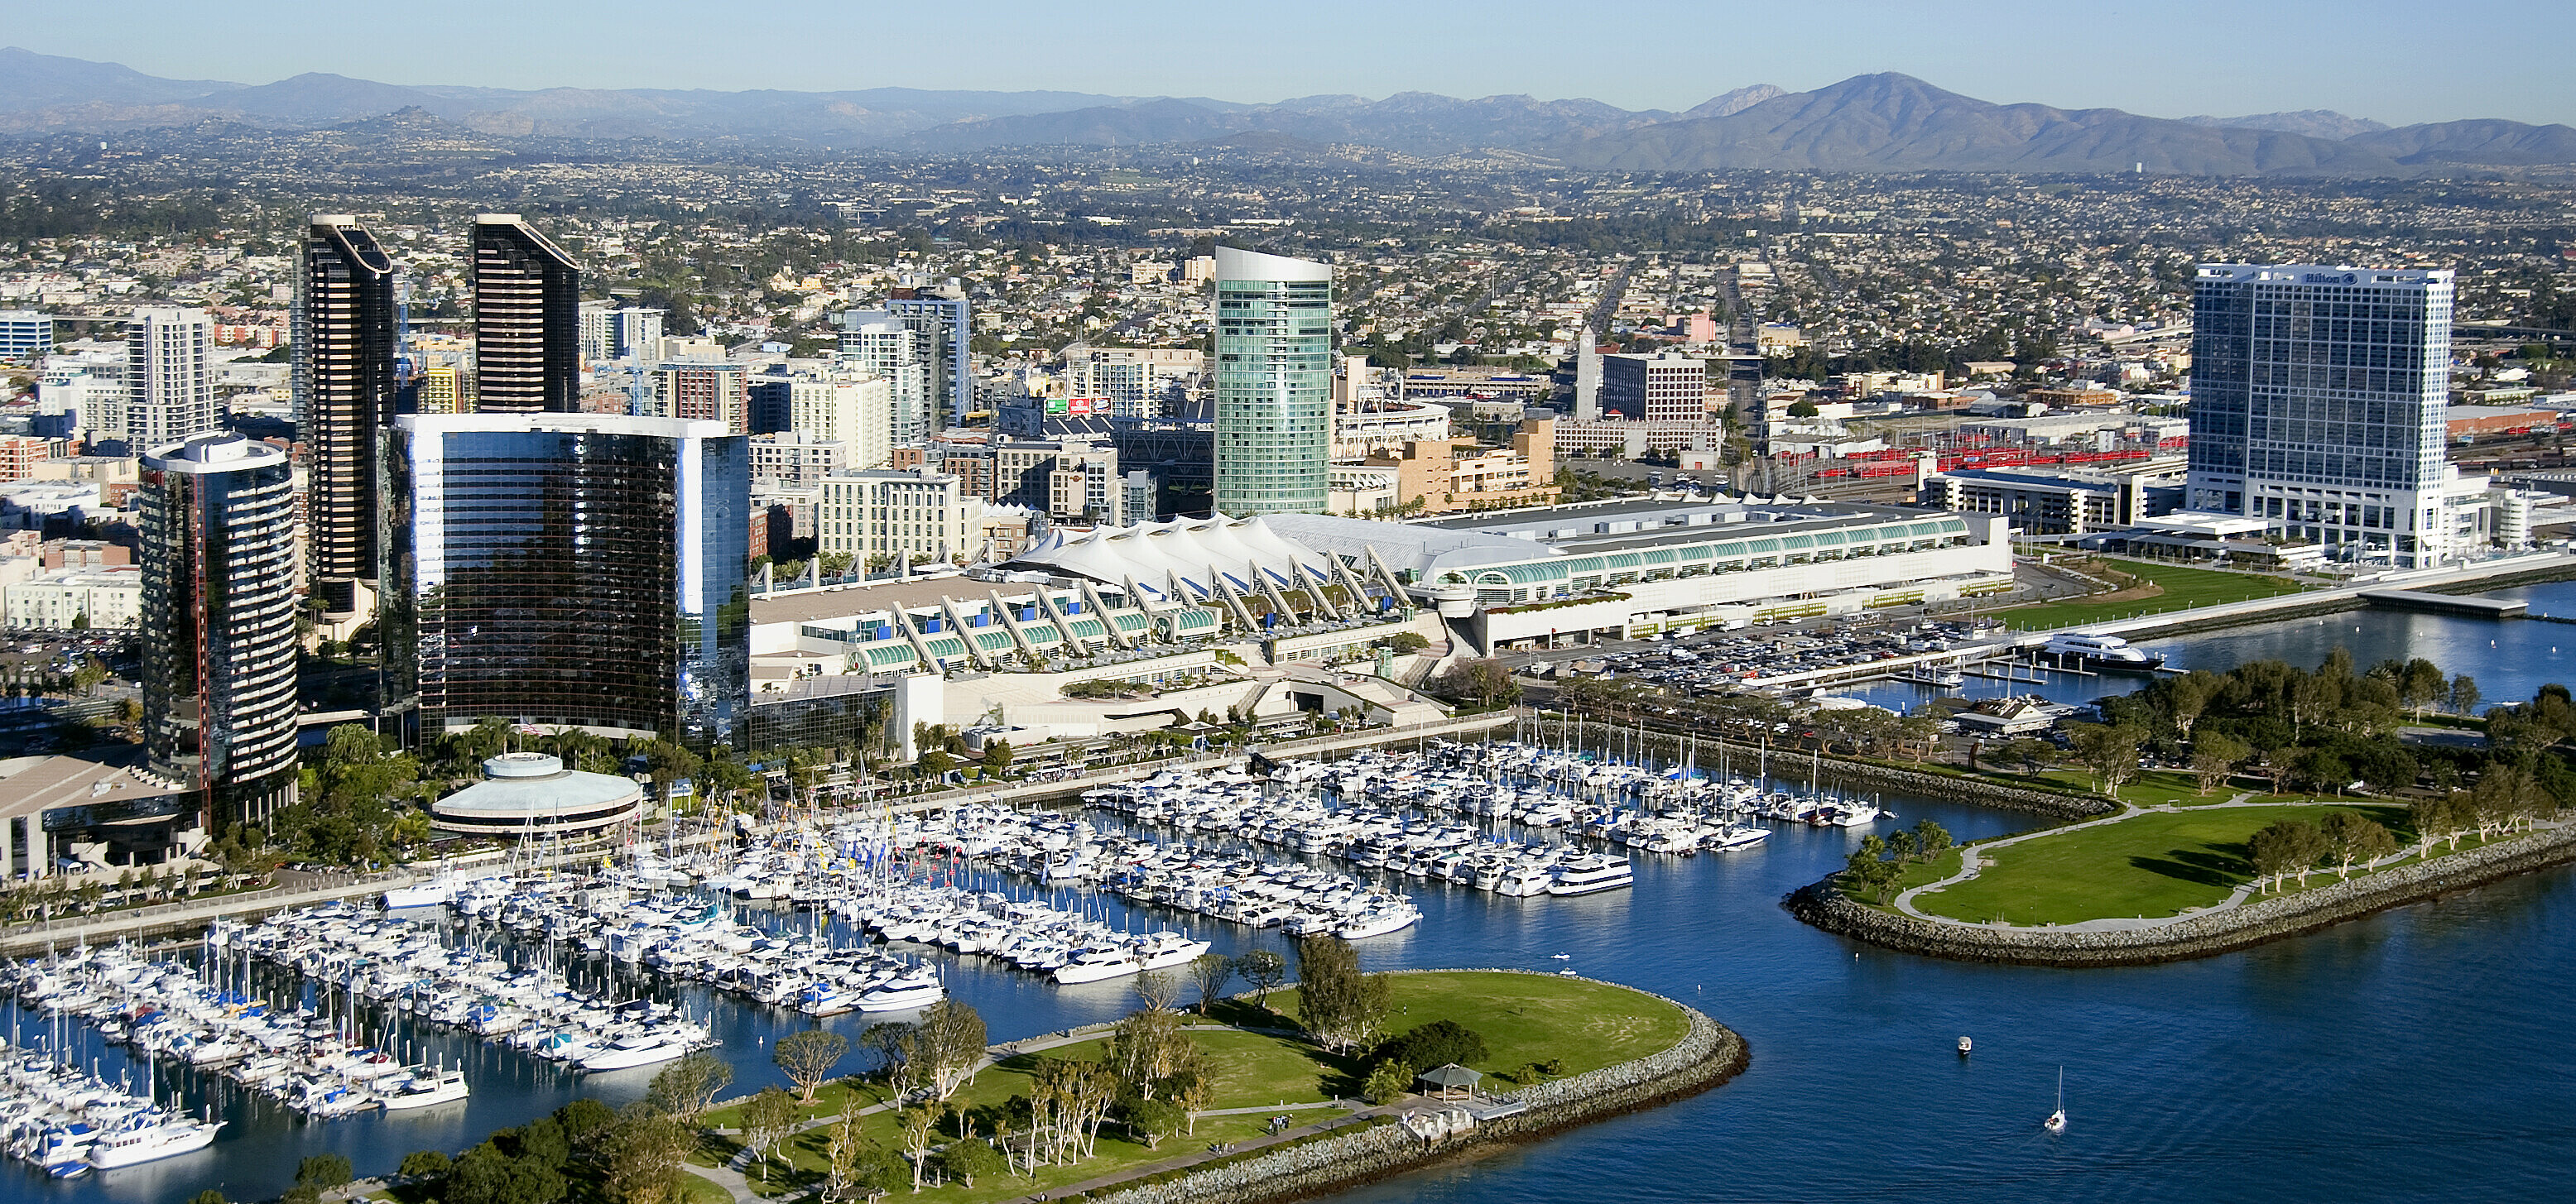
x,y
1450,1080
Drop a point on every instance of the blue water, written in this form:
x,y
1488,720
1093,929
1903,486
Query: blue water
x,y
2412,1055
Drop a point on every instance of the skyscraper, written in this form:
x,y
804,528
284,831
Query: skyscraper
x,y
218,622
941,325
344,341
577,570
880,344
169,375
2318,397
1274,383
527,320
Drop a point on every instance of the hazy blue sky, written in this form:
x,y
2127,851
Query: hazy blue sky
x,y
2396,62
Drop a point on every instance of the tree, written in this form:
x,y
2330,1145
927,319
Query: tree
x,y
935,762
323,1172
1406,643
2284,848
855,1167
2350,837
1264,971
1211,971
427,1165
685,1088
2111,752
1931,839
1152,1120
768,1119
2213,755
1387,1083
1149,1051
209,1196
2029,753
2464,694
2433,821
918,1125
1803,409
1157,990
1868,867
949,1046
997,756
967,1160
644,1153
1436,1044
1337,1003
809,1057
1485,684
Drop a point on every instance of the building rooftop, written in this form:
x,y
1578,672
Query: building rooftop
x,y
112,773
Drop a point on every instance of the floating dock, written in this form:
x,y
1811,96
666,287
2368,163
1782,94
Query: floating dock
x,y
2446,604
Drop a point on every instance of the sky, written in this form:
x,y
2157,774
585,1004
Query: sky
x,y
2394,62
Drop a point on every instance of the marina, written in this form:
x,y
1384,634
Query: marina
x,y
2205,1096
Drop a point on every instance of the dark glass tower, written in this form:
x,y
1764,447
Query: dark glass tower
x,y
941,322
218,542
344,402
527,320
577,570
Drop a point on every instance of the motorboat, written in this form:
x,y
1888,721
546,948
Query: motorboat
x,y
151,1141
423,1091
640,1049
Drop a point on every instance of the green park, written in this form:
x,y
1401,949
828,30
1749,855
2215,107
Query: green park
x,y
2147,589
926,1107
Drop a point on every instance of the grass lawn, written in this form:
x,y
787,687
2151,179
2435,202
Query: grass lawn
x,y
2183,589
2154,864
1531,1018
1523,1018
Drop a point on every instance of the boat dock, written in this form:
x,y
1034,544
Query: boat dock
x,y
2446,604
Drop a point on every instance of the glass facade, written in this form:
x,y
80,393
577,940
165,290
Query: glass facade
x,y
344,401
219,646
527,320
2319,399
1274,383
578,570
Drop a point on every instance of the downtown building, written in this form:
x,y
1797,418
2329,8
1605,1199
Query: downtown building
x,y
2317,411
1274,384
344,398
527,320
941,323
877,343
169,375
218,622
573,571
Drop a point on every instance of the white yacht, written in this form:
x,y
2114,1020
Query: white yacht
x,y
1733,837
165,1138
1588,875
1096,965
426,1090
913,989
2105,652
642,1049
1523,881
1380,921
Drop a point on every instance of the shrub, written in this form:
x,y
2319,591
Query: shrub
x,y
1438,1043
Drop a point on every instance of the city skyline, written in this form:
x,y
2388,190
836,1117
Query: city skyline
x,y
2046,55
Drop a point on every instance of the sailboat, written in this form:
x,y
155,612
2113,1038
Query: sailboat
x,y
2056,1122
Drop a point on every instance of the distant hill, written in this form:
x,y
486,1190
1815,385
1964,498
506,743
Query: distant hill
x,y
30,81
1884,122
1892,122
2315,123
2487,143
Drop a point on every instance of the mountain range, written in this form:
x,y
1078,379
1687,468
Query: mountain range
x,y
1883,122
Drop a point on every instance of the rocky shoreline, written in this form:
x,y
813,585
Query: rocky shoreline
x,y
1825,907
1707,1055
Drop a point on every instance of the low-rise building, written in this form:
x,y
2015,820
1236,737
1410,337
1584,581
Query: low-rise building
x,y
1442,476
918,514
64,599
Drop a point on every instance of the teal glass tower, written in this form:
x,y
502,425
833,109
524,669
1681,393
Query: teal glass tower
x,y
1274,383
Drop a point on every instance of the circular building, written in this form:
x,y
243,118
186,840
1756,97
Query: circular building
x,y
532,794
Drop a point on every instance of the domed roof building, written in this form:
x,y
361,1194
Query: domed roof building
x,y
532,794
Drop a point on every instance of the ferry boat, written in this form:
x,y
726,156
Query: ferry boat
x,y
1589,875
2102,652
